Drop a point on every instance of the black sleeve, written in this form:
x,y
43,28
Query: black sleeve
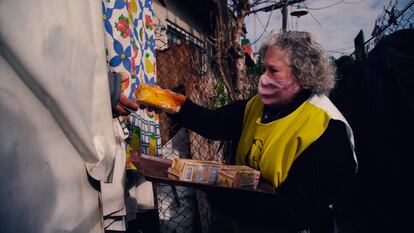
x,y
114,81
301,201
223,123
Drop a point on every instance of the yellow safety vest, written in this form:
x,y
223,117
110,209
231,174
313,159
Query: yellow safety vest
x,y
272,147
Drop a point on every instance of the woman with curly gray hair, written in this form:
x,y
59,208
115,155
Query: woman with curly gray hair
x,y
291,132
307,60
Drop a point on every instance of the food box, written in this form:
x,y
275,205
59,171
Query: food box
x,y
214,173
242,177
194,170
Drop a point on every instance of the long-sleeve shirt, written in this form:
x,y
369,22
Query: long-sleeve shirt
x,y
314,181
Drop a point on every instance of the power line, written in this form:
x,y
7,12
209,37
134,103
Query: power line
x,y
276,5
281,4
354,2
265,28
338,51
325,7
334,4
260,21
342,48
312,15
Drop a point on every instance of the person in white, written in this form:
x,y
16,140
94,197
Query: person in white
x,y
57,140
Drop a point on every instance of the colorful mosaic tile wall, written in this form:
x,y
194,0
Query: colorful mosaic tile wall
x,y
130,48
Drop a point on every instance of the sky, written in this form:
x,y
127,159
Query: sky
x,y
334,23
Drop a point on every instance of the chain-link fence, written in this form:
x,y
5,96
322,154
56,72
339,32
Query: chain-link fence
x,y
179,69
188,68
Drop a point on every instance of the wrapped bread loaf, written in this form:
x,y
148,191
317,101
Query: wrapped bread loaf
x,y
157,97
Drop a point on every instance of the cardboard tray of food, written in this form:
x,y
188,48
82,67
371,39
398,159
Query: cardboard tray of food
x,y
156,170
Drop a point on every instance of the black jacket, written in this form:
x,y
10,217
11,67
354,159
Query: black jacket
x,y
314,181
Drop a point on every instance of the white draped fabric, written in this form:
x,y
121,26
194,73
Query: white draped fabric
x,y
56,122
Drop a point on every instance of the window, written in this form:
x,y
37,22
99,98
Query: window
x,y
176,35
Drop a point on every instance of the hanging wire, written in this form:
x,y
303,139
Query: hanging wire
x,y
260,21
346,47
336,3
265,28
353,2
340,50
312,14
254,31
325,7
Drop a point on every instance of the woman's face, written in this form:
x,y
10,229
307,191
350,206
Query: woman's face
x,y
276,64
277,85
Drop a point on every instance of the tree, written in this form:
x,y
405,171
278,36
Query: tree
x,y
230,56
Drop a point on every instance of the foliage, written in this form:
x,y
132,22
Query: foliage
x,y
254,73
257,69
222,97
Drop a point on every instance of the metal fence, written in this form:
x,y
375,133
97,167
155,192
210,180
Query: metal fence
x,y
188,68
183,209
396,16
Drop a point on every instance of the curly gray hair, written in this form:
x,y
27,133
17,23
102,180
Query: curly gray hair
x,y
306,57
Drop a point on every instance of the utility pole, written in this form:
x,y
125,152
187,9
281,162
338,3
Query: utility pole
x,y
281,4
284,17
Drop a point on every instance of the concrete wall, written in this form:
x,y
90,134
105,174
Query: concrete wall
x,y
176,15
